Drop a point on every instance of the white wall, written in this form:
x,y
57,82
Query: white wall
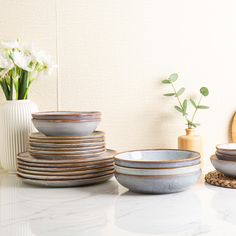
x,y
112,55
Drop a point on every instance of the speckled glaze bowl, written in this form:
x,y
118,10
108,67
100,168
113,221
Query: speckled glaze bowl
x,y
158,184
65,127
157,158
157,172
226,167
67,115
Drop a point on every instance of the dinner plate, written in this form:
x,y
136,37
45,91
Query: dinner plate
x,y
73,167
71,149
65,173
78,176
67,183
26,157
34,152
94,135
68,145
66,155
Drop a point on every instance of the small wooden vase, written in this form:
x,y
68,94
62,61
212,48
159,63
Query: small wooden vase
x,y
190,141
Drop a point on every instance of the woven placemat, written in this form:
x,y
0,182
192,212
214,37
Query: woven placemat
x,y
218,179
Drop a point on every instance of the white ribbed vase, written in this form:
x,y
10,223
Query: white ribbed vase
x,y
15,126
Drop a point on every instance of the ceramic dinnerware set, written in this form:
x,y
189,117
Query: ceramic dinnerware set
x,y
224,159
66,160
157,171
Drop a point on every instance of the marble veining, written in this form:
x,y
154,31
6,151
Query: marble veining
x,y
110,209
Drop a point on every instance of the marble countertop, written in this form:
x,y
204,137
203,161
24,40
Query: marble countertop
x,y
110,209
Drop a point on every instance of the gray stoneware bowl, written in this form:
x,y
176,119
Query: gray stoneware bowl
x,y
228,168
65,128
158,184
156,171
225,157
157,158
226,149
67,115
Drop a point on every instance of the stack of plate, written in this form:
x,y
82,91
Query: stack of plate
x,y
157,171
66,160
224,159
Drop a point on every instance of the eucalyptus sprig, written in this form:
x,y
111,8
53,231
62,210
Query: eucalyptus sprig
x,y
182,106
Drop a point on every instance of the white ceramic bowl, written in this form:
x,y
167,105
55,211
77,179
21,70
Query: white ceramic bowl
x,y
157,158
227,148
68,128
226,167
155,172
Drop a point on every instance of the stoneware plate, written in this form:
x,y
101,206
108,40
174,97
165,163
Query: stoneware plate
x,y
64,173
94,135
68,156
226,167
68,145
162,171
26,157
66,183
67,169
44,177
157,158
158,184
71,149
67,115
67,166
227,148
67,153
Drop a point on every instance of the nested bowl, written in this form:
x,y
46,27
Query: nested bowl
x,y
67,115
226,149
157,158
66,127
159,184
226,167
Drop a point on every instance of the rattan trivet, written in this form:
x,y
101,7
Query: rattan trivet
x,y
218,179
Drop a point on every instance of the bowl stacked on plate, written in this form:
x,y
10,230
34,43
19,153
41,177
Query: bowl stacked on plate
x,y
157,171
69,159
224,159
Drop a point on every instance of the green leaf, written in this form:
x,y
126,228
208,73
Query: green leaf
x,y
185,104
180,92
173,77
166,81
193,102
202,107
178,109
169,94
204,91
22,85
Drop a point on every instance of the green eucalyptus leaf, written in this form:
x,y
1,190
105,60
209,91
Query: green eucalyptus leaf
x,y
180,92
178,109
193,102
169,94
185,104
202,107
204,91
173,77
166,81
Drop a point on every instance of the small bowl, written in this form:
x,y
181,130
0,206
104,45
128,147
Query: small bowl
x,y
225,157
67,115
157,158
158,184
227,148
156,172
65,127
228,168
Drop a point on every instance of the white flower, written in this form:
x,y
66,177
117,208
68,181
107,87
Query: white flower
x,y
5,63
22,60
11,45
48,64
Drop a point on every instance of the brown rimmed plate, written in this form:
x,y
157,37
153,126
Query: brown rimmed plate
x,y
26,157
66,183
